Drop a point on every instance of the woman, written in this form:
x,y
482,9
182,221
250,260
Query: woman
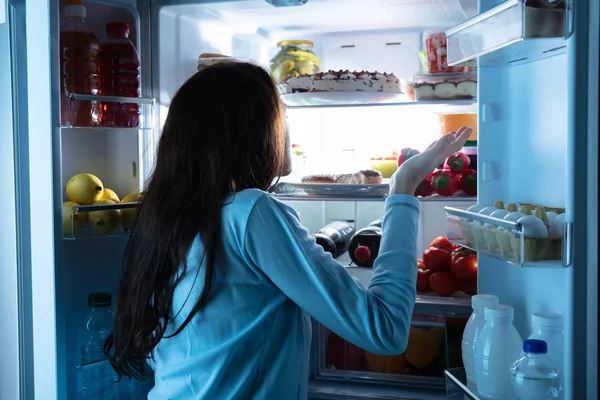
x,y
220,278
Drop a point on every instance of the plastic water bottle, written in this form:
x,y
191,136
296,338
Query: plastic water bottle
x,y
534,376
471,333
99,380
497,347
548,327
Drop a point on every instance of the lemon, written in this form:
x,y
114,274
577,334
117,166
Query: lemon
x,y
110,195
104,221
129,215
84,189
73,222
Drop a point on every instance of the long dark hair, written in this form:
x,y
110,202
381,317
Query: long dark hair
x,y
224,133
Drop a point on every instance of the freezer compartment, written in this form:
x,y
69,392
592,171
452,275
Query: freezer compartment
x,y
508,240
508,34
81,222
126,112
456,385
434,344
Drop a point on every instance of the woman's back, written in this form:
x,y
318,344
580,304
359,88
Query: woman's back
x,y
248,341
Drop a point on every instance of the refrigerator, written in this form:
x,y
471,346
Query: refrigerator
x,y
537,122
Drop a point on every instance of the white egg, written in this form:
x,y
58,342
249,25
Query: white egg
x,y
550,215
557,226
475,208
513,216
533,227
487,210
500,214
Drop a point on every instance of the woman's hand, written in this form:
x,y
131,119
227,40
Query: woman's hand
x,y
412,172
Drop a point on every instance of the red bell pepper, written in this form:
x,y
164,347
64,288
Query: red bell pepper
x,y
445,183
468,182
457,162
405,154
425,188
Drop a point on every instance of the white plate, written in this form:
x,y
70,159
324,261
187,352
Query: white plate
x,y
332,190
342,97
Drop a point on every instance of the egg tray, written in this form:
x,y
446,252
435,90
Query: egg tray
x,y
504,241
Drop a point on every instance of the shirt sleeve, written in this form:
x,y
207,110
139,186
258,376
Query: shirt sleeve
x,y
376,318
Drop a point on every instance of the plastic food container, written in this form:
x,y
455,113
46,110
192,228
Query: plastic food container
x,y
452,122
435,47
445,86
295,58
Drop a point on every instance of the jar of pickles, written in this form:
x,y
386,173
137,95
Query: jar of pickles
x,y
295,58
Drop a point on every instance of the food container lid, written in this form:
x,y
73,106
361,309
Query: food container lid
x,y
498,313
295,42
547,320
482,300
471,144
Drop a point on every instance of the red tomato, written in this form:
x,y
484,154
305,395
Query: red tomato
x,y
442,241
443,283
463,264
420,263
423,280
469,287
437,259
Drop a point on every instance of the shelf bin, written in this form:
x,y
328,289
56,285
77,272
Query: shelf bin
x,y
510,33
84,110
505,240
456,385
77,224
434,344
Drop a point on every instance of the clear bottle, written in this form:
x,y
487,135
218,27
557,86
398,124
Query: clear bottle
x,y
549,328
119,75
497,347
471,333
99,380
78,66
534,376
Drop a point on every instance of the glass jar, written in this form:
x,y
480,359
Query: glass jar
x,y
295,58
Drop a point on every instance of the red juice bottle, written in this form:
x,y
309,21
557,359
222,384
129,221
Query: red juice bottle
x,y
119,75
78,66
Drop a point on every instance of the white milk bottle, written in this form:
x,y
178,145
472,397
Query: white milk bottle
x,y
471,333
497,348
549,328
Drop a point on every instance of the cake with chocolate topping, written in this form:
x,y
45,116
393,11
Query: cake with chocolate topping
x,y
345,81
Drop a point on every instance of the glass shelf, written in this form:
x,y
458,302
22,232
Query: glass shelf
x,y
456,385
83,111
510,33
364,99
505,240
109,218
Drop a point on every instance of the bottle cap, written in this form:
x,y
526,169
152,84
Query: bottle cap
x,y
99,299
74,10
362,253
547,320
482,300
117,29
535,346
498,313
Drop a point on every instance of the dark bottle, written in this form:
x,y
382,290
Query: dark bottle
x,y
335,237
364,245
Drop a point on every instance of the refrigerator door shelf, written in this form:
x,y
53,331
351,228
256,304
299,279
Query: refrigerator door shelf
x,y
506,240
91,104
98,220
128,388
456,385
509,34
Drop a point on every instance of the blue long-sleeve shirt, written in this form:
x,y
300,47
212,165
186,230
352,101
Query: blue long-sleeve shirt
x,y
252,338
